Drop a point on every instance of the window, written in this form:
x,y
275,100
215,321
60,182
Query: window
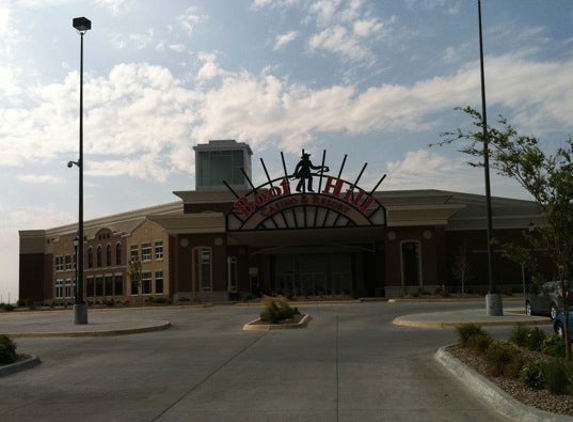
x,y
158,282
90,258
134,288
202,269
118,254
146,283
146,252
68,288
108,285
91,287
98,256
59,289
118,285
158,251
134,253
68,262
232,282
218,166
59,263
108,255
99,286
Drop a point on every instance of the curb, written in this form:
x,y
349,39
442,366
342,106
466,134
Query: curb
x,y
253,326
405,322
102,333
495,396
31,362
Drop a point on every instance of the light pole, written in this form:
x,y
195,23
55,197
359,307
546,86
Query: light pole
x,y
493,300
82,25
76,243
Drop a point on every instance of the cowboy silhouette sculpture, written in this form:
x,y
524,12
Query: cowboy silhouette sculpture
x,y
303,172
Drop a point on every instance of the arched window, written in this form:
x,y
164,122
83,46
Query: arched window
x,y
98,256
90,257
108,255
118,254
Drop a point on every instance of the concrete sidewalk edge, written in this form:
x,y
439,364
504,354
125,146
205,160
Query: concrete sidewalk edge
x,y
163,325
28,363
495,396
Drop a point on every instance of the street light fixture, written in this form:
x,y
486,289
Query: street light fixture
x,y
82,25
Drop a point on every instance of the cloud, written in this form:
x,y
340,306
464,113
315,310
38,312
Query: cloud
x,y
282,40
210,69
146,167
345,29
259,4
40,179
190,19
116,6
139,118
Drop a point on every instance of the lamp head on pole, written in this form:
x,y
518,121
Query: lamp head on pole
x,y
82,24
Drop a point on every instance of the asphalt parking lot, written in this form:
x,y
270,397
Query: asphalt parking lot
x,y
350,364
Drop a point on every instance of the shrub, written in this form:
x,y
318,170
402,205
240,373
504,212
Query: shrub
x,y
553,346
557,376
504,358
532,375
530,338
7,350
479,342
7,307
160,300
276,310
466,331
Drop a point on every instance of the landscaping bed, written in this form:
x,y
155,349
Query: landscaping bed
x,y
515,372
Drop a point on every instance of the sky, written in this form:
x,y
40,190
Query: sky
x,y
378,81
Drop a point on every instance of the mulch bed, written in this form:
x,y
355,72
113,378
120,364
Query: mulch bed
x,y
540,399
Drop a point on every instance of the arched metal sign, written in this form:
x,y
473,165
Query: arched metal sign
x,y
336,203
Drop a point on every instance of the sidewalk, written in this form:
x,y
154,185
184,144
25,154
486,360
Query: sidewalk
x,y
61,324
512,316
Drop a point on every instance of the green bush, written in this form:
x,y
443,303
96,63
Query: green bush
x,y
530,338
504,359
479,342
270,314
160,300
553,346
7,350
276,310
532,375
466,331
7,307
557,374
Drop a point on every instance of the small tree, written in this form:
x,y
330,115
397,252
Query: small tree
x,y
461,268
547,178
135,274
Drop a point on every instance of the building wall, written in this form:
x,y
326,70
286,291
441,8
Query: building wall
x,y
152,246
187,265
32,274
34,265
430,241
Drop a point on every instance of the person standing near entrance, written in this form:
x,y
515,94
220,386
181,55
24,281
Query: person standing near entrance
x,y
303,171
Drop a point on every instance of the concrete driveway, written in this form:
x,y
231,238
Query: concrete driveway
x,y
350,364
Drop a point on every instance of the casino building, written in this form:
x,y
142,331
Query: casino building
x,y
306,231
